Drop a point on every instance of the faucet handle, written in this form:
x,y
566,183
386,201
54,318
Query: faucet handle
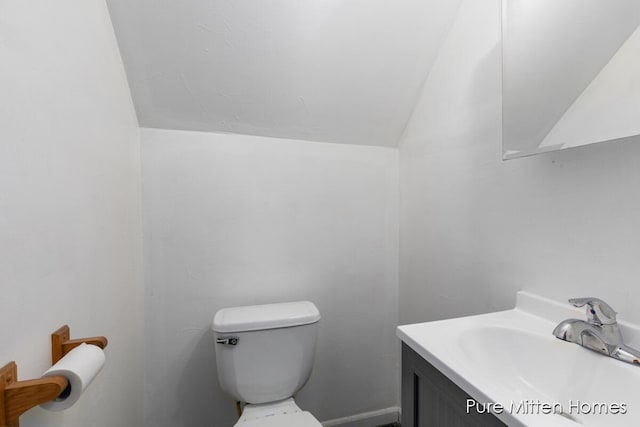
x,y
598,312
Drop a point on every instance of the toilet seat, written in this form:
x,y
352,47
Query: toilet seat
x,y
284,413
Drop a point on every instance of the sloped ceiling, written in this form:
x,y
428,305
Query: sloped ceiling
x,y
342,71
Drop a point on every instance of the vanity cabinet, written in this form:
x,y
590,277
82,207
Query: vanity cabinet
x,y
430,399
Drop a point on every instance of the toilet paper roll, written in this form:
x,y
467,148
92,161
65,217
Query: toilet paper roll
x,y
80,366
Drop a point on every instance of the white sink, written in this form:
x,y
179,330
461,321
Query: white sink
x,y
511,358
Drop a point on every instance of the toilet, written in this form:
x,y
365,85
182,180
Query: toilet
x,y
264,355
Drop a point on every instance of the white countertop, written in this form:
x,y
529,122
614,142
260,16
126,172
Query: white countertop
x,y
512,358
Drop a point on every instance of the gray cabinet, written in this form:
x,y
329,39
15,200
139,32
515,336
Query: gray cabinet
x,y
430,399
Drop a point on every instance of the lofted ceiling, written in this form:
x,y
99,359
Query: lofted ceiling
x,y
342,71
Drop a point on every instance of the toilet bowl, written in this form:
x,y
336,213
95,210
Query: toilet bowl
x,y
264,355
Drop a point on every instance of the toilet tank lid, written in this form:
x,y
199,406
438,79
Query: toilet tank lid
x,y
266,316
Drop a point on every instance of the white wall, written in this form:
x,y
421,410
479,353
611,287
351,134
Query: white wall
x,y
70,232
475,229
238,220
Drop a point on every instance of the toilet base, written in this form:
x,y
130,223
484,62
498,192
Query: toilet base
x,y
283,413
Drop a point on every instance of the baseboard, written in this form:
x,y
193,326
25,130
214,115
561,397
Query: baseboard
x,y
367,419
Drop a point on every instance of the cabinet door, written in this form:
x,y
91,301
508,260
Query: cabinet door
x,y
430,399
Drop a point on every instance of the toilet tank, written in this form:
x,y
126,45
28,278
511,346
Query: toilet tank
x,y
265,352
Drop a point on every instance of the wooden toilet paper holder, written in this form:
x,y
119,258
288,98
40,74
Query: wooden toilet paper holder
x,y
61,344
17,397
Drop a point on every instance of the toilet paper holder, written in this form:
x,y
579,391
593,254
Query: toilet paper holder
x,y
61,344
17,397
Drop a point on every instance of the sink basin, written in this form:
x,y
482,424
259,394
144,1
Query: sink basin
x,y
511,358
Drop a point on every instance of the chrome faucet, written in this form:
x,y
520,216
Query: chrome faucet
x,y
599,333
